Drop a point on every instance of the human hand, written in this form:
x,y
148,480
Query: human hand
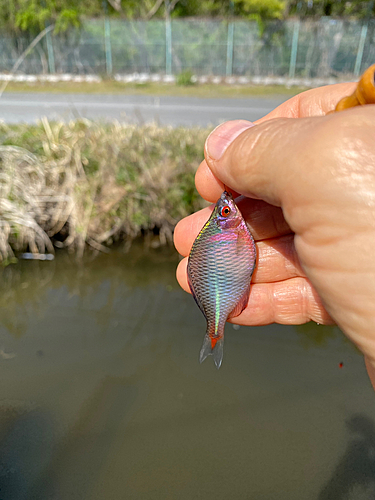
x,y
309,182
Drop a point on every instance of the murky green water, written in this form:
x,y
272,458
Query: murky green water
x,y
102,395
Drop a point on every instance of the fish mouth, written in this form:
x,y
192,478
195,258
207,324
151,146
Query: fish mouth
x,y
226,195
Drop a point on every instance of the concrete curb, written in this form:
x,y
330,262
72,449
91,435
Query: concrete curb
x,y
161,78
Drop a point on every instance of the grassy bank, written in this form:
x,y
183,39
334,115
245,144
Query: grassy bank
x,y
160,89
87,183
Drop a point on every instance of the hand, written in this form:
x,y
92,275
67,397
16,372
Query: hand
x,y
309,183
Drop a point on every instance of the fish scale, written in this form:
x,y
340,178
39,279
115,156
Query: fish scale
x,y
220,266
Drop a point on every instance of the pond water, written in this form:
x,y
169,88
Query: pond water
x,y
102,395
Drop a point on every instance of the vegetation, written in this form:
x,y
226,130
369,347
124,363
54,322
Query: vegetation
x,y
68,185
31,16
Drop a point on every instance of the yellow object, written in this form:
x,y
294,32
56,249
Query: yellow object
x,y
363,94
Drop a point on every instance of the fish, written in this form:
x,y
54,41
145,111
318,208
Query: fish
x,y
220,266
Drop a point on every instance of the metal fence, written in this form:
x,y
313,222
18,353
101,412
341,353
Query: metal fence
x,y
312,49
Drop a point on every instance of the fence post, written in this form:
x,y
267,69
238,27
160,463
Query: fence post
x,y
51,55
229,69
168,46
293,54
107,40
108,46
361,46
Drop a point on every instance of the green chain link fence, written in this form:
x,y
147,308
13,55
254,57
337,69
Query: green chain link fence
x,y
294,49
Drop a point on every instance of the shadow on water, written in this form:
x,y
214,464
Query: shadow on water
x,y
354,476
26,444
96,429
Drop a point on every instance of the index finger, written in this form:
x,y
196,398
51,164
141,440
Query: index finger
x,y
314,102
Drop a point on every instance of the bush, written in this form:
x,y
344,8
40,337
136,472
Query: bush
x,y
185,78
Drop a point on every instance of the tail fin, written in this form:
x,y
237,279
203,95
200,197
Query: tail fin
x,y
212,346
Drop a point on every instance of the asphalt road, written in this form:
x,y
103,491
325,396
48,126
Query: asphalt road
x,y
187,111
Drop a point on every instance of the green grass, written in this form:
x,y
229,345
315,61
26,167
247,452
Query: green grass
x,y
161,89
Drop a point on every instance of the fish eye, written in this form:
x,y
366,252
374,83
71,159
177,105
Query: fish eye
x,y
225,211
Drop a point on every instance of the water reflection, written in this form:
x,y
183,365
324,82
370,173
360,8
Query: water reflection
x,y
23,287
314,335
102,395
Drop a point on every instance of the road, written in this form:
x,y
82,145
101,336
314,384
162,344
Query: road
x,y
186,111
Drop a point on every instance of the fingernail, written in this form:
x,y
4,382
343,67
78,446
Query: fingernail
x,y
220,138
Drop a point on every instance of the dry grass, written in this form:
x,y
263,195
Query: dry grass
x,y
68,185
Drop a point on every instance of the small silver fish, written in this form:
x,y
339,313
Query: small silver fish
x,y
220,266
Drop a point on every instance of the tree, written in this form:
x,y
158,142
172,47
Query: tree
x,y
262,10
354,8
33,15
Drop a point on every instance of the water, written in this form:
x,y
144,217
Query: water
x,y
102,395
